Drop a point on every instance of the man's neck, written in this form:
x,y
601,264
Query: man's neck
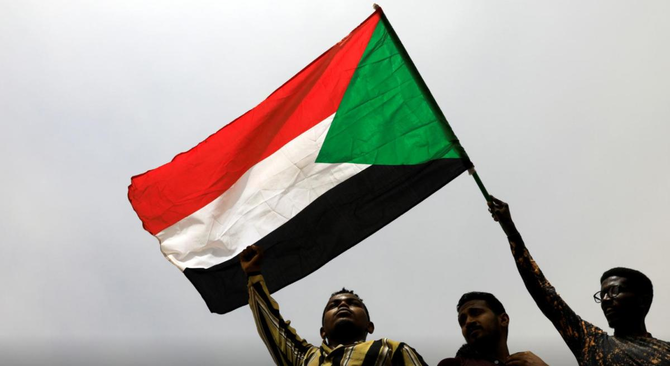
x,y
497,351
333,343
631,330
501,352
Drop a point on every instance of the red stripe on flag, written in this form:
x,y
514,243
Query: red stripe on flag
x,y
165,195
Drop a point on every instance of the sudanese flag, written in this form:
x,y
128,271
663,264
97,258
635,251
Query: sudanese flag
x,y
343,148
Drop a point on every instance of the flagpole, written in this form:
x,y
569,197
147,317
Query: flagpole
x,y
432,101
478,180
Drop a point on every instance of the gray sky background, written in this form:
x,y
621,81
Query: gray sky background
x,y
563,106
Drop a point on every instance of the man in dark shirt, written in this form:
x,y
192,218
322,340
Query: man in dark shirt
x,y
625,296
484,324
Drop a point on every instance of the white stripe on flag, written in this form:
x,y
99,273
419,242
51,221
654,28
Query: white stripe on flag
x,y
264,198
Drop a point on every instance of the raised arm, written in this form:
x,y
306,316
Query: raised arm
x,y
572,328
284,344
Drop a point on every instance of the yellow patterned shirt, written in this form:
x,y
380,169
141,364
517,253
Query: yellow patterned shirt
x,y
287,348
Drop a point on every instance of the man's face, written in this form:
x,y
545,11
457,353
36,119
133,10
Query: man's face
x,y
479,324
622,308
345,313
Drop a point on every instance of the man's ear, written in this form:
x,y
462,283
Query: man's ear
x,y
645,303
323,333
503,319
371,327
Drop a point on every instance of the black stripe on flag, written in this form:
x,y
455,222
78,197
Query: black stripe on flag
x,y
333,223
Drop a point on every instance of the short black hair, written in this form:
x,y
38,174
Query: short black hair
x,y
638,282
491,301
346,291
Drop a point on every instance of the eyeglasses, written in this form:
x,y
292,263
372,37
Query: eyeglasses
x,y
612,292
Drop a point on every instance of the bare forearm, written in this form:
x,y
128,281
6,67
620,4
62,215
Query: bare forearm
x,y
509,228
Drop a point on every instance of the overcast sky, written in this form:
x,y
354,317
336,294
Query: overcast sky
x,y
564,107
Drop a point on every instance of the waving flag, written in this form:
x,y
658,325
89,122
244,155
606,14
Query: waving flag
x,y
346,146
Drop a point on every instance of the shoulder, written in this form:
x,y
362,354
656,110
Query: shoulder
x,y
590,331
393,344
646,342
659,341
450,362
402,351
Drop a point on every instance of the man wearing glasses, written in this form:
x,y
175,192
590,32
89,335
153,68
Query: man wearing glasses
x,y
625,296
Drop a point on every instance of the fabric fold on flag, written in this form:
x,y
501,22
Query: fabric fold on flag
x,y
346,146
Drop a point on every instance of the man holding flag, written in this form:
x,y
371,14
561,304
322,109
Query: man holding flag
x,y
625,296
345,326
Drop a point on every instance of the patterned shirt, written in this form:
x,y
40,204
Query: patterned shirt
x,y
287,348
591,345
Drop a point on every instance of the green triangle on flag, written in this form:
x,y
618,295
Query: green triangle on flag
x,y
387,115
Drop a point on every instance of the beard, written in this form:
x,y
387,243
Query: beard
x,y
485,341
